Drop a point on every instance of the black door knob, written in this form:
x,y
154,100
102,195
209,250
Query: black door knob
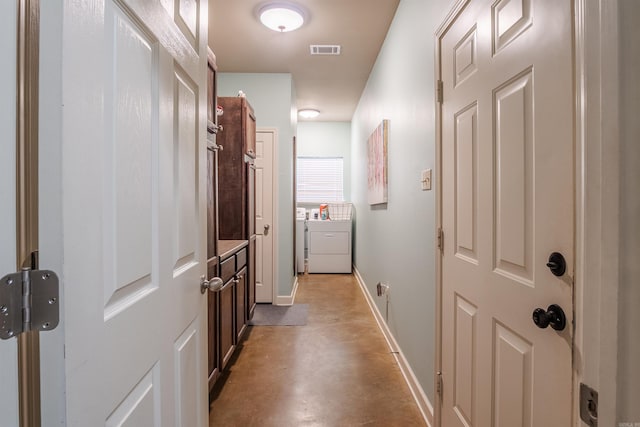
x,y
557,264
554,316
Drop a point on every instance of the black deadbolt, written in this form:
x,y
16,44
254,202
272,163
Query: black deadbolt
x,y
557,264
554,316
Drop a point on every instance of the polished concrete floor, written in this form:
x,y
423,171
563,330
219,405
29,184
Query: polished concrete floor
x,y
335,371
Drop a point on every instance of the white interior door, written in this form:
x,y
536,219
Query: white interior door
x,y
265,229
507,204
134,206
8,349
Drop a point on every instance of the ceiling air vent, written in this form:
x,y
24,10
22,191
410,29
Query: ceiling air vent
x,y
324,49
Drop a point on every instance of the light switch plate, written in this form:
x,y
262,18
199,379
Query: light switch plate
x,y
426,180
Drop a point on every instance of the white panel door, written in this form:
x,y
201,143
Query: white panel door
x,y
8,352
264,215
134,205
507,204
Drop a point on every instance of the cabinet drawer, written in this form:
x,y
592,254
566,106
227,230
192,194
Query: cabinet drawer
x,y
329,242
241,258
228,268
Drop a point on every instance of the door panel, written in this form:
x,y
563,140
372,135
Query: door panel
x,y
465,368
126,157
134,213
512,378
507,203
140,404
265,142
8,349
187,350
466,233
513,164
185,184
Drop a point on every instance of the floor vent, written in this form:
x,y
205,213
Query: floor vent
x,y
324,49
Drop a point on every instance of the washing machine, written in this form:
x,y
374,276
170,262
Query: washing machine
x,y
301,216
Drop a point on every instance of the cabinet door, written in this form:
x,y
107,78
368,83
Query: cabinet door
x,y
251,200
241,286
227,328
249,125
213,332
251,284
212,204
212,343
232,178
211,90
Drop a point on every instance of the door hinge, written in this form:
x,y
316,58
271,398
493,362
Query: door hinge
x,y
440,91
28,302
439,385
588,405
213,128
440,239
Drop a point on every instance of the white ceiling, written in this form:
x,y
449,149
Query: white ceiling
x,y
331,84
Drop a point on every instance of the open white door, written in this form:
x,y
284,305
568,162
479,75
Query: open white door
x,y
507,204
133,212
265,230
8,349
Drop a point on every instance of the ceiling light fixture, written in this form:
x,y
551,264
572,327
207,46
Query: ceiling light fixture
x,y
281,17
309,113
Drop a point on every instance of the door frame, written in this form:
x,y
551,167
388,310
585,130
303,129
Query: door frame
x,y
596,193
27,126
597,222
274,213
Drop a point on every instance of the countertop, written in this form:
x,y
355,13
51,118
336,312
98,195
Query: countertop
x,y
227,248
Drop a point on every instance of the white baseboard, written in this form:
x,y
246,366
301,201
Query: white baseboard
x,y
288,299
425,406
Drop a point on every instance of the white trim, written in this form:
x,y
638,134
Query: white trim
x,y
597,208
274,211
421,399
456,9
288,299
579,77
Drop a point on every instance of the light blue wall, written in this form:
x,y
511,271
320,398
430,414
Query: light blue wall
x,y
272,97
327,139
396,242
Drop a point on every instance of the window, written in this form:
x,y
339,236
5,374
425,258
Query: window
x,y
319,179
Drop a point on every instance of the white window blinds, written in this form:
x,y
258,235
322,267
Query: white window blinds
x,y
319,179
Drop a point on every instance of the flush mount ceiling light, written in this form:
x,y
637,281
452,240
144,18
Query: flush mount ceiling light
x,y
309,113
281,17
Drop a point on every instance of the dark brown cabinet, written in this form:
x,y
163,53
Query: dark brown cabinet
x,y
231,240
236,175
213,298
